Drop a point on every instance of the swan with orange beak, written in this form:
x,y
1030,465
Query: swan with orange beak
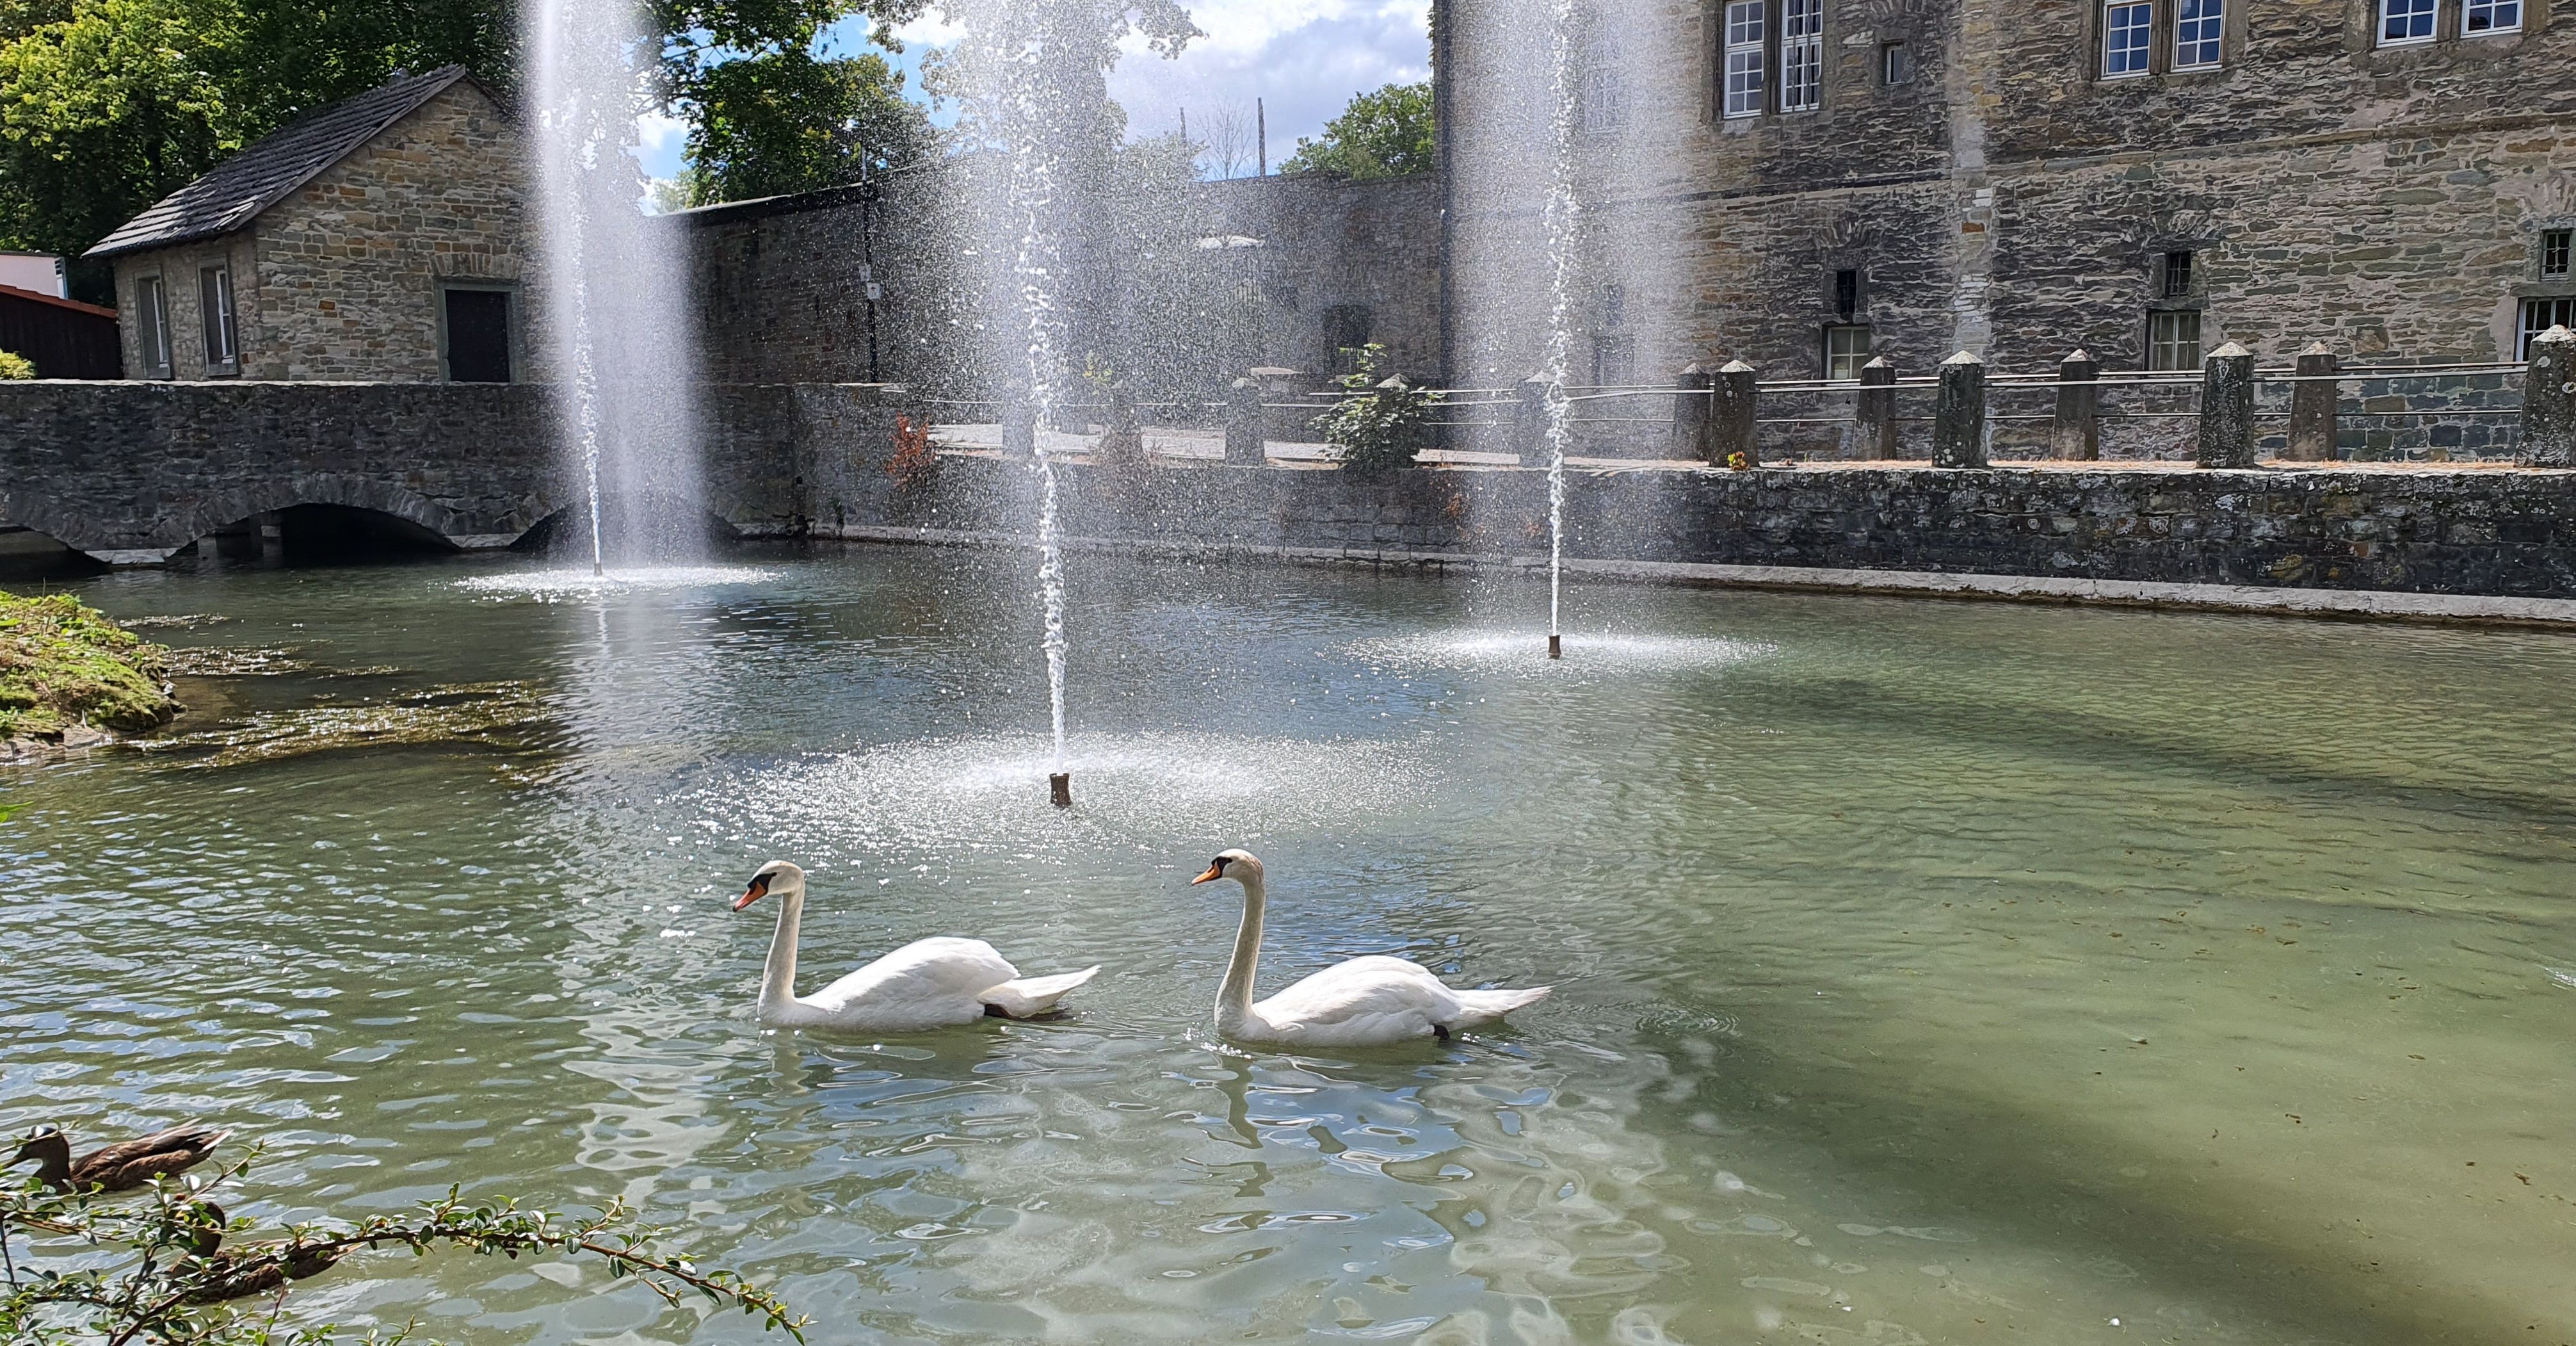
x,y
932,983
1367,1002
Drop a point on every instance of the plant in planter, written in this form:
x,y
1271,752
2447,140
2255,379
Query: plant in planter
x,y
1381,421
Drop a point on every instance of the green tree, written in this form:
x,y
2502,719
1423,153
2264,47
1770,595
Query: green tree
x,y
1385,134
790,121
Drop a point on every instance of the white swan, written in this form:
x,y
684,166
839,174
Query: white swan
x,y
928,984
1366,1002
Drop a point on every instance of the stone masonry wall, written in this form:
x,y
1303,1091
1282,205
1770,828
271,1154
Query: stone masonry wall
x,y
148,467
2467,531
2011,201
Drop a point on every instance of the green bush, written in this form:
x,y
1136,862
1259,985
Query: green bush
x,y
1379,423
16,366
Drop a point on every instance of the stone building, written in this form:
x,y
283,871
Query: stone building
x,y
1808,184
381,239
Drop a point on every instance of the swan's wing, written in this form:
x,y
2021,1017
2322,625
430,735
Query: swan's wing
x,y
926,972
1365,997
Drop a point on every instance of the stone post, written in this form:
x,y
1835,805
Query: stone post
x,y
272,538
1875,422
1529,420
2227,407
1959,419
2312,407
1731,415
1692,414
1019,430
2549,401
2078,431
1243,446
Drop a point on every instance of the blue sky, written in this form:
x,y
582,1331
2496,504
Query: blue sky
x,y
1303,58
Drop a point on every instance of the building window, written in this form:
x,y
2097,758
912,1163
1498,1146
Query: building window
x,y
2557,254
152,326
215,306
2128,38
1895,63
2173,339
2177,276
2407,21
1846,293
1846,350
1748,25
478,336
2199,34
2539,315
1802,55
1605,95
2493,16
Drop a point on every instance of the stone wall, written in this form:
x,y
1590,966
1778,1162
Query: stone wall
x,y
140,469
2009,200
341,280
2464,531
1258,271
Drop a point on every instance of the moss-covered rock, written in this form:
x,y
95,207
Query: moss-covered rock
x,y
64,665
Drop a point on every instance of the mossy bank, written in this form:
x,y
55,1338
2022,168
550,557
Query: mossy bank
x,y
67,673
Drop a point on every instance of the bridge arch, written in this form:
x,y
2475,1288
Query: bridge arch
x,y
224,510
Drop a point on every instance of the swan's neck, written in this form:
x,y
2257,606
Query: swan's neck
x,y
778,980
1234,998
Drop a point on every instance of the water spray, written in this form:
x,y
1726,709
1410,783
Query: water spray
x,y
1563,216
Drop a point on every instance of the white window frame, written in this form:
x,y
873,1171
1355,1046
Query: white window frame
x,y
1605,94
222,326
2200,34
1802,55
2489,9
2539,315
1745,42
152,327
2165,342
1846,351
2413,15
2128,39
1895,63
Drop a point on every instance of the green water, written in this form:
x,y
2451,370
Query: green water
x,y
1928,972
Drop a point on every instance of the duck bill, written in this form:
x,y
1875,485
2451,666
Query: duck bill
x,y
759,889
1215,872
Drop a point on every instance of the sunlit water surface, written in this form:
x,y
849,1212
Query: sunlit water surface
x,y
1928,972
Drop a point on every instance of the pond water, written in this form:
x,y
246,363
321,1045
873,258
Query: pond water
x,y
1927,972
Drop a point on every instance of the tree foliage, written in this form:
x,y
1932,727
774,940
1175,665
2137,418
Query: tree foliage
x,y
790,121
1385,134
170,1269
109,105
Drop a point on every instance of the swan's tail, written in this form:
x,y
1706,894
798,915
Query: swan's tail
x,y
1030,997
1483,1007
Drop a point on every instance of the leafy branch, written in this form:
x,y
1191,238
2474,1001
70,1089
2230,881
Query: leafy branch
x,y
1379,423
170,1277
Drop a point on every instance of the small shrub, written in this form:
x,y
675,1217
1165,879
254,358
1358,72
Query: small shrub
x,y
1379,423
16,366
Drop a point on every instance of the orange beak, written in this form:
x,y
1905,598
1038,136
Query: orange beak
x,y
1215,872
759,889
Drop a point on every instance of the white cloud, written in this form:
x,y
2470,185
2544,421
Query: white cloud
x,y
1303,59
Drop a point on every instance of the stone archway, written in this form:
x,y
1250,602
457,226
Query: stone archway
x,y
229,508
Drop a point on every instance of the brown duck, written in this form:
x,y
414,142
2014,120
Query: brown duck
x,y
121,1167
255,1269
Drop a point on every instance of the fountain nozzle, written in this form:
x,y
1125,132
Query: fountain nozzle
x,y
1555,647
1061,784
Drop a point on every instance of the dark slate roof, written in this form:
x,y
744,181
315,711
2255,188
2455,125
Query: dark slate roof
x,y
262,175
